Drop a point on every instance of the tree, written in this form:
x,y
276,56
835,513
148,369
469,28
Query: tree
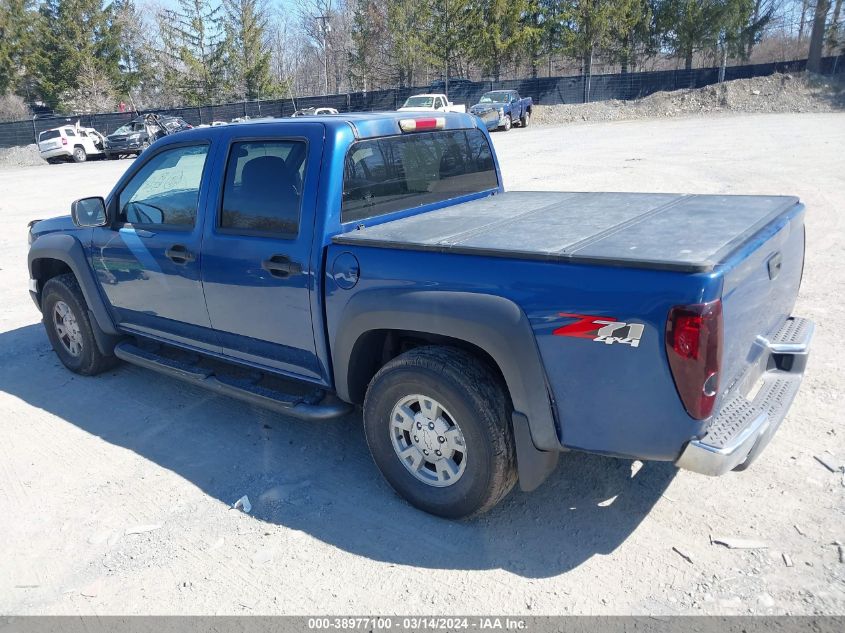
x,y
814,59
835,35
74,35
498,33
690,26
192,57
632,32
407,51
18,20
248,49
446,35
369,25
136,51
594,25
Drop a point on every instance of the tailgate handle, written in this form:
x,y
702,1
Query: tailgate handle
x,y
775,263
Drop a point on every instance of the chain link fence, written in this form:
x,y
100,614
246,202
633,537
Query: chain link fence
x,y
543,90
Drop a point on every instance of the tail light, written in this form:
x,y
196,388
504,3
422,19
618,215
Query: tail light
x,y
64,141
694,347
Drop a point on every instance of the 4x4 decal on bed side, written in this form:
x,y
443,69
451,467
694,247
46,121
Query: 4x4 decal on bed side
x,y
601,329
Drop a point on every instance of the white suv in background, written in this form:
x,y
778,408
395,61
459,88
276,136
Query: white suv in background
x,y
68,141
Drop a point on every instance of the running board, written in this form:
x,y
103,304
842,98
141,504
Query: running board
x,y
314,407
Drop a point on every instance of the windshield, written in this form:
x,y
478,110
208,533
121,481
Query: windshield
x,y
419,102
495,97
129,128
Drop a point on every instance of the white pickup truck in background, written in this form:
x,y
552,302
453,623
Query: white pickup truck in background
x,y
430,103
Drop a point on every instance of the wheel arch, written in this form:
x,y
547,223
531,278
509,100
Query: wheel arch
x,y
492,326
59,253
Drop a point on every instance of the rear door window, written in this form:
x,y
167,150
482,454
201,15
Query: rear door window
x,y
262,193
390,174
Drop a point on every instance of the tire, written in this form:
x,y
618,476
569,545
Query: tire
x,y
508,124
525,120
472,398
79,155
71,335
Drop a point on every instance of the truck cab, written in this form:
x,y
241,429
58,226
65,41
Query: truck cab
x,y
316,264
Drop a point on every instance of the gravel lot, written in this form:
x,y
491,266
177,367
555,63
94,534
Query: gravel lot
x,y
115,492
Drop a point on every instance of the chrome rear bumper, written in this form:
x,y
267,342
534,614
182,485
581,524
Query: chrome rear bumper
x,y
743,427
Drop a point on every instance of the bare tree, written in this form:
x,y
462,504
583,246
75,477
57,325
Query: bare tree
x,y
814,59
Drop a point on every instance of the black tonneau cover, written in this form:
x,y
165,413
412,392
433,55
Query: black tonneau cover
x,y
690,233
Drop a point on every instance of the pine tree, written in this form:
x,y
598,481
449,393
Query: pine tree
x,y
136,70
248,51
192,58
408,50
18,21
75,36
498,34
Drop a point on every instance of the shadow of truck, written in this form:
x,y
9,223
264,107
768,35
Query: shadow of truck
x,y
319,478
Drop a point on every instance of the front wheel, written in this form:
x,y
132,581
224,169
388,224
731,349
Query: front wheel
x,y
508,123
437,424
69,328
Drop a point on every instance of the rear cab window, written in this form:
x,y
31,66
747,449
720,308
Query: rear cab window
x,y
396,173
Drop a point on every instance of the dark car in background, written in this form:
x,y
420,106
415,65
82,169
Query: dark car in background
x,y
502,109
137,135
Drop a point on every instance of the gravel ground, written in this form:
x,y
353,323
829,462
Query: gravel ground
x,y
775,93
115,491
25,156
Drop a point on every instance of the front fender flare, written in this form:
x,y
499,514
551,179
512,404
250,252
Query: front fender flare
x,y
67,249
492,323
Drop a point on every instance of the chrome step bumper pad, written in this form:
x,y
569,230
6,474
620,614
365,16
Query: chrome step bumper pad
x,y
743,427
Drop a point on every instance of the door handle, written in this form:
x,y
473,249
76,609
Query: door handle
x,y
179,254
281,266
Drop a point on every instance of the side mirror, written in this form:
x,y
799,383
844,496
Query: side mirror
x,y
88,212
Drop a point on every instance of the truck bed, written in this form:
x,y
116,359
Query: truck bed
x,y
690,233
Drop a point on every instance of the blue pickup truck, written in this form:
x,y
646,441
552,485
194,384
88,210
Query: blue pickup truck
x,y
502,109
317,264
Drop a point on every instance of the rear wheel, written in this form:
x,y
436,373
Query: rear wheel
x,y
437,424
526,119
79,155
65,316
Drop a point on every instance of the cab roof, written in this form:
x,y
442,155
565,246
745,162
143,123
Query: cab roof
x,y
363,124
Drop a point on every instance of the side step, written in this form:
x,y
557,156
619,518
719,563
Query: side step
x,y
316,406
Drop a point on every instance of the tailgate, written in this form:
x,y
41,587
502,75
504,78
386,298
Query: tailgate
x,y
761,282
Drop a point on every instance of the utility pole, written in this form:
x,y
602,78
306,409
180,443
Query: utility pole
x,y
325,27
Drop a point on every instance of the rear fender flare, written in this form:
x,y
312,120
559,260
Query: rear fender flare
x,y
492,323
